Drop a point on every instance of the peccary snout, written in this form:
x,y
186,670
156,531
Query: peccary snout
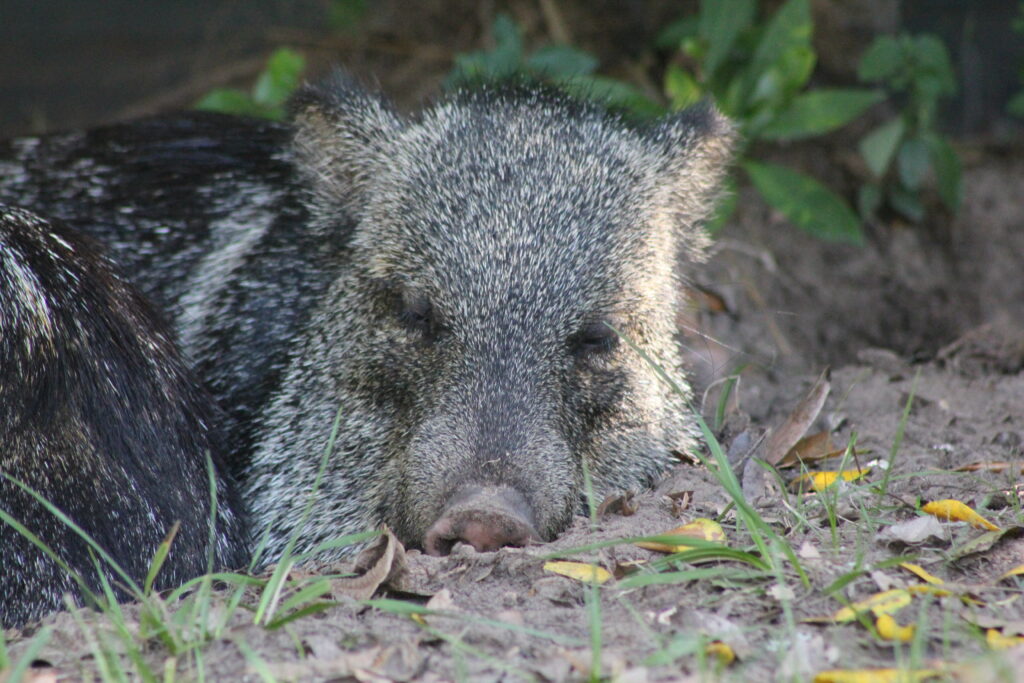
x,y
487,518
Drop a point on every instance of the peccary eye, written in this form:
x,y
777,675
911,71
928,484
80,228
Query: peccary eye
x,y
595,338
416,313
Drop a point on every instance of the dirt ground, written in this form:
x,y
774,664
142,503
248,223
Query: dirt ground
x,y
930,315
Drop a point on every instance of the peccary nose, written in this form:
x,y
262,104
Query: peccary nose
x,y
487,518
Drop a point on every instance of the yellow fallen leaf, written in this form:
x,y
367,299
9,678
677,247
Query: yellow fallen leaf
x,y
580,571
997,641
921,573
720,651
930,590
885,602
889,629
822,480
876,675
702,528
957,511
1016,571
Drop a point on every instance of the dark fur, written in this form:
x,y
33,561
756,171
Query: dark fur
x,y
447,280
102,418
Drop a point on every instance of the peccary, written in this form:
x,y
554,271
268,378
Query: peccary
x,y
99,415
454,283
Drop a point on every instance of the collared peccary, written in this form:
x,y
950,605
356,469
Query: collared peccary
x,y
453,283
100,416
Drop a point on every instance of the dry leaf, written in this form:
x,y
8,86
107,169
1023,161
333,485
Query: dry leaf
x,y
618,504
920,572
721,652
885,602
580,571
706,529
876,675
889,629
915,531
820,481
786,435
951,509
382,561
991,467
680,502
922,588
1016,571
997,641
809,449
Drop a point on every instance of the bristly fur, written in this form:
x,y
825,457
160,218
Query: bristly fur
x,y
515,217
447,280
101,417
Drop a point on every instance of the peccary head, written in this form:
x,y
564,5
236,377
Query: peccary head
x,y
490,253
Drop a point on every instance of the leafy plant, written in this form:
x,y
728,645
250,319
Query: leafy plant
x,y
901,151
565,66
757,73
1016,104
267,98
345,15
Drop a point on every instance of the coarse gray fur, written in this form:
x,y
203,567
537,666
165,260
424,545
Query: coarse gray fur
x,y
509,222
447,281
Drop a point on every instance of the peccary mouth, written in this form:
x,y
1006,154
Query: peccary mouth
x,y
485,517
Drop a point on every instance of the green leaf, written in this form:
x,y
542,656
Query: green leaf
x,y
878,146
719,24
280,79
806,202
881,60
681,87
1016,105
932,59
672,36
818,112
906,202
229,101
869,200
946,165
504,60
561,61
725,208
789,28
912,162
343,15
612,93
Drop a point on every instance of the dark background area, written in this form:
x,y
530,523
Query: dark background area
x,y
77,63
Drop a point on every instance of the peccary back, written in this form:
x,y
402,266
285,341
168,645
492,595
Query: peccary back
x,y
99,415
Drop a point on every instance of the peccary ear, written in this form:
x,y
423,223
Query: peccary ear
x,y
695,147
341,135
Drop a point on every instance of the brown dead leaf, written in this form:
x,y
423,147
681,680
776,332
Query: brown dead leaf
x,y
1000,466
787,434
986,541
382,562
811,448
618,504
706,300
680,502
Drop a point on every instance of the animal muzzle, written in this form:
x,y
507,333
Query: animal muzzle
x,y
486,518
